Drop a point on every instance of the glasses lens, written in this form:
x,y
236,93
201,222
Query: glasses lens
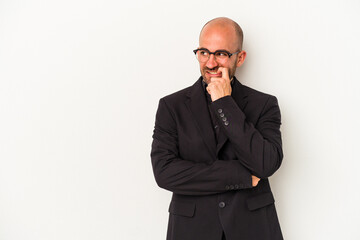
x,y
221,55
202,55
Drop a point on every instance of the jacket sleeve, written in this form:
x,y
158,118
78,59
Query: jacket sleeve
x,y
259,148
183,176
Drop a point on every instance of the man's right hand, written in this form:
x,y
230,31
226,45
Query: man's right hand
x,y
255,180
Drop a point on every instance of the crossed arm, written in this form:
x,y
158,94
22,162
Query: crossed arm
x,y
258,151
184,176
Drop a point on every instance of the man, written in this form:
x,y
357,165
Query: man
x,y
214,146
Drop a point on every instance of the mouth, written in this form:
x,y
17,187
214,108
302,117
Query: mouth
x,y
214,73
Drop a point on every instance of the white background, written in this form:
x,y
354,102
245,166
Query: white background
x,y
79,87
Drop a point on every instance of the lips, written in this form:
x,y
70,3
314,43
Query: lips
x,y
214,73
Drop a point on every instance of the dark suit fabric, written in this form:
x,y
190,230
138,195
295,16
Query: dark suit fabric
x,y
211,180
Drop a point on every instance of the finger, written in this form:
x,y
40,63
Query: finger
x,y
211,86
225,73
214,79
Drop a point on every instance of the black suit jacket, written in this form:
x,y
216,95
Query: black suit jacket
x,y
211,182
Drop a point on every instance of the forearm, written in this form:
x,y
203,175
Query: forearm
x,y
196,178
258,148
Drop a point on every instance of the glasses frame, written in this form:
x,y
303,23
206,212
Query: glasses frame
x,y
227,52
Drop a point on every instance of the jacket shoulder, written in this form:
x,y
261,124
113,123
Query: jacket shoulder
x,y
256,95
176,97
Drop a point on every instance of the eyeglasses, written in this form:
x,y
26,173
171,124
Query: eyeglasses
x,y
203,54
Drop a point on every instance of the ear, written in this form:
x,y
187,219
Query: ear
x,y
241,58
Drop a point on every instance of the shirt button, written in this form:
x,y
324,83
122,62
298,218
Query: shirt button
x,y
219,110
221,204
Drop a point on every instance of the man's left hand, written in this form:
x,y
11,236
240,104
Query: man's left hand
x,y
220,87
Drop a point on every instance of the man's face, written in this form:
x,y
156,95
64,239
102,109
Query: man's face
x,y
218,38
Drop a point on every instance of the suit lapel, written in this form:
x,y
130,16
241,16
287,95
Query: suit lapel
x,y
197,105
239,95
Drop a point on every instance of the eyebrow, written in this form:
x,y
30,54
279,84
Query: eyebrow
x,y
218,50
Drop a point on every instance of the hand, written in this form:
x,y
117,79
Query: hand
x,y
219,86
255,180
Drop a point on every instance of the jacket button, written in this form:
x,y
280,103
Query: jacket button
x,y
236,186
219,110
231,187
221,204
227,187
226,123
222,115
224,119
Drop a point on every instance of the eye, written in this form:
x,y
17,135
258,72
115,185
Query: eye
x,y
203,52
222,54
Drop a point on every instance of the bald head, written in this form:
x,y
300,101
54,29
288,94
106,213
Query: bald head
x,y
226,25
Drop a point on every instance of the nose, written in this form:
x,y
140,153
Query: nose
x,y
211,63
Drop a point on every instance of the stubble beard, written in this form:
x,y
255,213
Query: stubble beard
x,y
207,81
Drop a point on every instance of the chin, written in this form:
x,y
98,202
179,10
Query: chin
x,y
206,80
